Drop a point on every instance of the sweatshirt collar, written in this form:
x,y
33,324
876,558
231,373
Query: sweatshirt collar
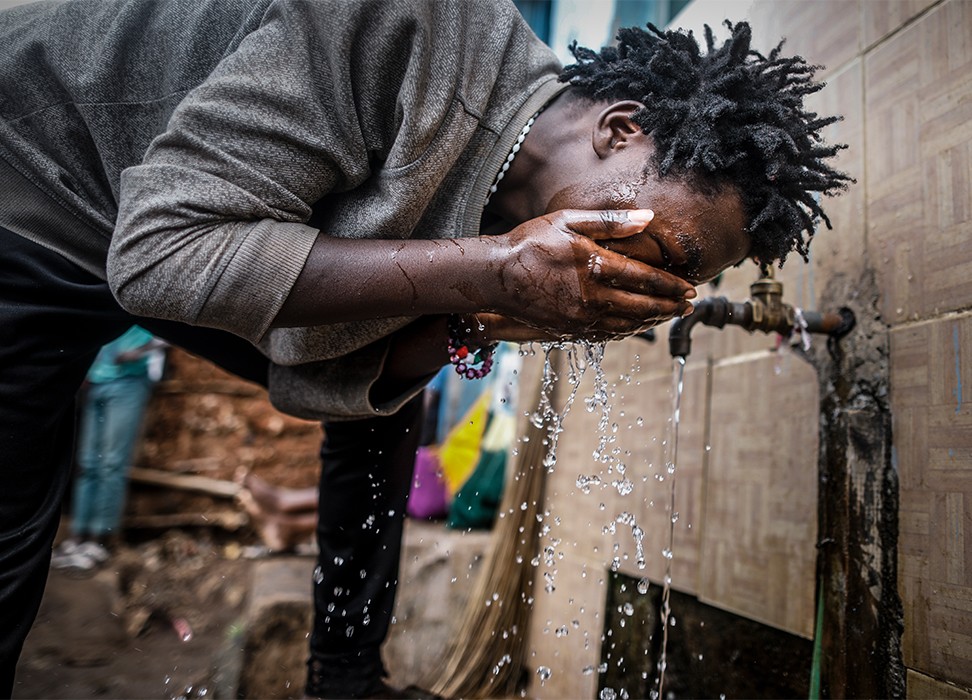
x,y
501,149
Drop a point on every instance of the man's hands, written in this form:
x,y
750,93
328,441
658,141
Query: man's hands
x,y
556,282
548,278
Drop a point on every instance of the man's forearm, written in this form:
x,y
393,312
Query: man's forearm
x,y
350,280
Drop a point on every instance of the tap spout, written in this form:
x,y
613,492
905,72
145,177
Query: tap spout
x,y
711,311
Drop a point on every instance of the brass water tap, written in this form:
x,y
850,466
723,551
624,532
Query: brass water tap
x,y
764,311
769,313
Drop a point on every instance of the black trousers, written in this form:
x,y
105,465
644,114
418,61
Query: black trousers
x,y
54,316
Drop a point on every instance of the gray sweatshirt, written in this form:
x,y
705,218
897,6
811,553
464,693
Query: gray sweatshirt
x,y
190,151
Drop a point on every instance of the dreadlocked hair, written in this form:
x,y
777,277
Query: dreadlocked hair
x,y
730,115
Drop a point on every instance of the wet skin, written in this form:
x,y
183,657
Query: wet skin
x,y
694,235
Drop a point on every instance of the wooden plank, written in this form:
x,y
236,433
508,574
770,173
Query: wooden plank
x,y
185,482
228,520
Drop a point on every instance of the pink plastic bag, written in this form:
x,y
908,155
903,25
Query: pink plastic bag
x,y
427,496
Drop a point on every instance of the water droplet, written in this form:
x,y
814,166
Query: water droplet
x,y
544,673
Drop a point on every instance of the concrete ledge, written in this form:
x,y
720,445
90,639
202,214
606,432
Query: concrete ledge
x,y
265,657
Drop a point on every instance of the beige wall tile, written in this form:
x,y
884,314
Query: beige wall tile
x,y
585,521
840,250
931,366
881,17
577,607
919,187
759,535
581,539
824,32
922,687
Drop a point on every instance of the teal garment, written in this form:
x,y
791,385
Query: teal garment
x,y
475,505
105,369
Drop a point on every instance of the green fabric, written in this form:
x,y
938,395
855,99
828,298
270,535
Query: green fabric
x,y
475,504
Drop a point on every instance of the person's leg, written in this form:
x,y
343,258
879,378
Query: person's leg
x,y
53,318
86,477
122,410
365,474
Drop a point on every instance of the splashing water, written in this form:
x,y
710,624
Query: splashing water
x,y
678,373
637,534
544,674
576,367
579,356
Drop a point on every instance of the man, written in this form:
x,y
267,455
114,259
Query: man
x,y
365,191
119,383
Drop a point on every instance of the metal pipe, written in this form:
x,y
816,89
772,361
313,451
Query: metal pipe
x,y
764,312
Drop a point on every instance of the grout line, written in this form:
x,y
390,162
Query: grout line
x,y
957,314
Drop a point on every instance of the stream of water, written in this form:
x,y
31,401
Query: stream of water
x,y
678,373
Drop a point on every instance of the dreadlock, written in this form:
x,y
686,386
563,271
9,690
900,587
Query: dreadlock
x,y
730,115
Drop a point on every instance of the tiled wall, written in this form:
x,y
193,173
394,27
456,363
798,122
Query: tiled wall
x,y
900,71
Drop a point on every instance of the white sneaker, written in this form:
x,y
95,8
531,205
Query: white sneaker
x,y
76,561
68,546
94,551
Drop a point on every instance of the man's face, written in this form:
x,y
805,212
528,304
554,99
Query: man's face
x,y
693,235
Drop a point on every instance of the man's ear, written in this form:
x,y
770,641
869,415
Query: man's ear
x,y
615,130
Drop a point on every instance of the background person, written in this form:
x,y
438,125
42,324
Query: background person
x,y
119,385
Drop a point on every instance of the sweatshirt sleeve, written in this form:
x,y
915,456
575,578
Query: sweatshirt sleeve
x,y
297,390
211,227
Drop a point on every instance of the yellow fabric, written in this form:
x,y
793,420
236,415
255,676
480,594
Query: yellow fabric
x,y
459,451
502,430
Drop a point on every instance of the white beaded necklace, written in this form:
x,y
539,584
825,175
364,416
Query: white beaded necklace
x,y
509,159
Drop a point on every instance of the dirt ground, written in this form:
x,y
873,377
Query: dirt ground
x,y
154,622
117,633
